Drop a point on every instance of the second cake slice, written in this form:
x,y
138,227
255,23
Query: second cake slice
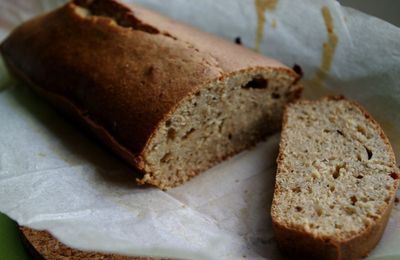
x,y
336,181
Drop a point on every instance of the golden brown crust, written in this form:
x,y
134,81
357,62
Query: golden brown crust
x,y
110,72
121,71
42,245
298,243
75,113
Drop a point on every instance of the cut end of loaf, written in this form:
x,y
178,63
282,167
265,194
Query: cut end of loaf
x,y
218,121
169,99
335,175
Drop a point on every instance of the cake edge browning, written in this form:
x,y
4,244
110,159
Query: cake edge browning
x,y
300,244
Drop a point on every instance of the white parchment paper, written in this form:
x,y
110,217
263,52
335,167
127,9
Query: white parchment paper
x,y
54,177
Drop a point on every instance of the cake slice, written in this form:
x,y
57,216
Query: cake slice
x,y
336,181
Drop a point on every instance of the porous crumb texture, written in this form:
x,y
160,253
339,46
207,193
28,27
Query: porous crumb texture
x,y
216,122
336,171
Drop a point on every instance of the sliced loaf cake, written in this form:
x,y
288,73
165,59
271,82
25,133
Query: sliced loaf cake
x,y
169,99
336,181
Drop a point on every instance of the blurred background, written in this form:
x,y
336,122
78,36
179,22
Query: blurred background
x,y
388,10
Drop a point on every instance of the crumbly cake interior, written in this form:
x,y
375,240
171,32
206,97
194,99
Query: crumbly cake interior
x,y
335,177
217,121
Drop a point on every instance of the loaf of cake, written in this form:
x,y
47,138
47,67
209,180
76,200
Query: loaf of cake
x,y
171,100
336,181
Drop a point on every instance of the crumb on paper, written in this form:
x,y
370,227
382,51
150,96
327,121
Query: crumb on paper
x,y
238,40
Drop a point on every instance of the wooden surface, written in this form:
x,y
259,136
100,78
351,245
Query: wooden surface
x,y
42,245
